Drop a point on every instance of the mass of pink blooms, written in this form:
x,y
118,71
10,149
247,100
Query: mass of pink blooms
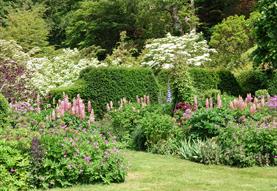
x,y
252,103
76,108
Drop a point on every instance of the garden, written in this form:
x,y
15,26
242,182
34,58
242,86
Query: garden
x,y
110,96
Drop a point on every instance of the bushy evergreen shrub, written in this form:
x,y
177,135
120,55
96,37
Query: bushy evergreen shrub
x,y
251,81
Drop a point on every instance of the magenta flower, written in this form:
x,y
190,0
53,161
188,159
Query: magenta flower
x,y
87,159
248,98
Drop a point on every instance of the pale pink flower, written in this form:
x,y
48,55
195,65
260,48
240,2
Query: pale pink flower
x,y
232,105
253,109
89,106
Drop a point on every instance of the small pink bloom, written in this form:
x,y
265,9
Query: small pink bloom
x,y
89,106
253,109
207,103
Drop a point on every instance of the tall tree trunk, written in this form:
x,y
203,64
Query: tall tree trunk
x,y
177,25
192,26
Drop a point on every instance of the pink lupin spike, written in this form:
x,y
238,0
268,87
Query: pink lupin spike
x,y
89,107
207,103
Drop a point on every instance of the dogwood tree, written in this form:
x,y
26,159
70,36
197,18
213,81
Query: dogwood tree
x,y
61,70
189,49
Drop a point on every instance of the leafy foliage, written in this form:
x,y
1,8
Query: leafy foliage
x,y
206,123
27,27
231,38
247,146
71,157
266,34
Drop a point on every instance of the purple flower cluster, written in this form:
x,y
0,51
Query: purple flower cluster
x,y
272,103
22,107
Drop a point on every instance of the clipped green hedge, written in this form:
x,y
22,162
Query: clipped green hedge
x,y
205,79
252,80
101,85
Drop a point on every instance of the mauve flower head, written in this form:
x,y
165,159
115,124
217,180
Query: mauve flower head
x,y
187,114
12,170
87,159
248,98
272,103
275,157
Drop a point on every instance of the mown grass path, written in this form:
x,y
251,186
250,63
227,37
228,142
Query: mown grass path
x,y
148,172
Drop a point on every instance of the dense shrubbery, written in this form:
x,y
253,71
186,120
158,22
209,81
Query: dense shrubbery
x,y
102,85
57,148
206,123
65,157
245,146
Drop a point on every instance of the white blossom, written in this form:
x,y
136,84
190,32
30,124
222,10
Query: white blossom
x,y
165,52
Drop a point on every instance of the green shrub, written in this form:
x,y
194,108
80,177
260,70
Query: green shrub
x,y
14,158
156,130
211,93
204,79
124,122
183,89
272,84
63,158
4,109
206,123
245,146
251,81
260,93
228,83
102,85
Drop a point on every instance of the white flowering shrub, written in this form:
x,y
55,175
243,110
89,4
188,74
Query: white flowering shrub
x,y
190,49
10,50
61,70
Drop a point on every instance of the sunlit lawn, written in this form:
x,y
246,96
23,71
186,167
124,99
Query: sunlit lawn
x,y
165,173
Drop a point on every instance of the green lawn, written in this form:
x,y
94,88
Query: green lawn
x,y
164,173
